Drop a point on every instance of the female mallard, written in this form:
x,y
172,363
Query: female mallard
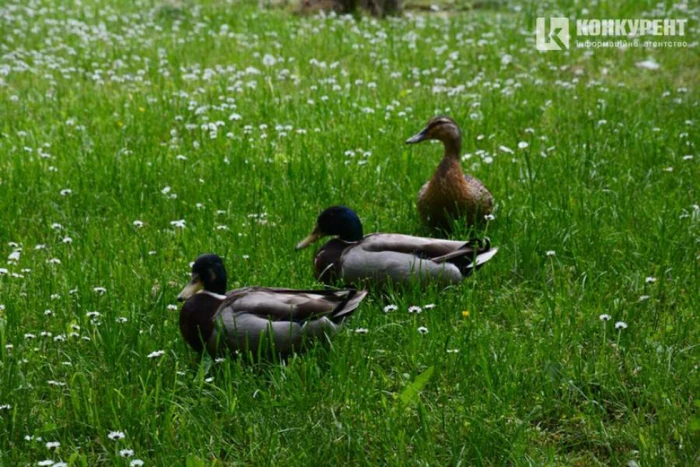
x,y
379,257
254,319
450,194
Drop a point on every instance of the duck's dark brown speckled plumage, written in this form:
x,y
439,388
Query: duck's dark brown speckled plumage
x,y
450,194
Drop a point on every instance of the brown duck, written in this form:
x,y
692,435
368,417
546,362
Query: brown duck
x,y
450,194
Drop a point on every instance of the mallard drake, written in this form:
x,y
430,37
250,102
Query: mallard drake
x,y
450,194
380,257
242,319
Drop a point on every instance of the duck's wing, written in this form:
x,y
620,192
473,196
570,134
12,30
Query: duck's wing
x,y
264,320
427,248
404,258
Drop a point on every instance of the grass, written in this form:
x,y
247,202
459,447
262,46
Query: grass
x,y
103,98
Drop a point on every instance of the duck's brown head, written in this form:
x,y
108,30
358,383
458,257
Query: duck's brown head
x,y
440,128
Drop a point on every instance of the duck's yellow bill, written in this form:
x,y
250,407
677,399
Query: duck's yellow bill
x,y
313,237
194,286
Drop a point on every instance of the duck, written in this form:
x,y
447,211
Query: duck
x,y
450,194
353,258
257,321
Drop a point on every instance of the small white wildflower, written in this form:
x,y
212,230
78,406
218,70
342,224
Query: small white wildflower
x,y
415,309
172,307
67,240
56,226
156,354
138,224
54,261
604,317
166,190
551,253
390,308
99,290
361,331
423,330
180,224
40,246
55,383
650,280
490,217
29,336
92,314
452,350
52,444
115,435
6,407
209,380
136,463
3,271
48,312
122,319
429,306
66,192
522,145
506,149
45,463
620,325
643,298
126,453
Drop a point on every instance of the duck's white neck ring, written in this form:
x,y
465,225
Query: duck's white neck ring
x,y
212,294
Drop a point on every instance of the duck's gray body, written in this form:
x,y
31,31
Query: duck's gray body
x,y
264,320
401,259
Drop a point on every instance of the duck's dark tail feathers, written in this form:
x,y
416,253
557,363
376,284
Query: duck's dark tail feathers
x,y
347,306
471,256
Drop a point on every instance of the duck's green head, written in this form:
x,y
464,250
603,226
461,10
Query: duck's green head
x,y
440,128
336,220
208,273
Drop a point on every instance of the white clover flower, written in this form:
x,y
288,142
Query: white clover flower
x,y
166,190
423,330
3,271
522,145
56,226
48,312
67,240
66,192
138,224
156,354
136,463
115,435
99,290
126,452
54,261
415,309
180,224
92,314
490,217
269,60
604,317
620,325
29,336
390,308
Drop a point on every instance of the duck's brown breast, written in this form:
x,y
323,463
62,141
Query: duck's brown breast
x,y
196,319
451,194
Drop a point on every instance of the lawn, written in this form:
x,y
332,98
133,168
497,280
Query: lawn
x,y
137,135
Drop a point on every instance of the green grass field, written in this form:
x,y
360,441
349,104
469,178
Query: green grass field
x,y
121,118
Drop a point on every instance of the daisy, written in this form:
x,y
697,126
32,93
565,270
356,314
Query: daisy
x,y
620,325
604,317
390,308
423,330
415,309
115,435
